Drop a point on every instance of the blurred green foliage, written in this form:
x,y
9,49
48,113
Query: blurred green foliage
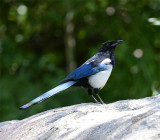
x,y
32,50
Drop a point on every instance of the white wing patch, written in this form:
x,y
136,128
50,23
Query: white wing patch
x,y
106,61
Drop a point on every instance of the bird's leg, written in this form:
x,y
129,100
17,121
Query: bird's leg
x,y
96,92
90,94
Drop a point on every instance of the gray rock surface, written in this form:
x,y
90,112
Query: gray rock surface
x,y
122,120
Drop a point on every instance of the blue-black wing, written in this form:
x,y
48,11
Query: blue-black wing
x,y
84,71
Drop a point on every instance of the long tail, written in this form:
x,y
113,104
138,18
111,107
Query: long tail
x,y
48,94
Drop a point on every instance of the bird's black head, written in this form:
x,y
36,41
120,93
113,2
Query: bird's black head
x,y
110,45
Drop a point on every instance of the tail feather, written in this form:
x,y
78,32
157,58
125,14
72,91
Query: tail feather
x,y
48,94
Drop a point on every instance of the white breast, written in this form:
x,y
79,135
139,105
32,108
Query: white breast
x,y
99,79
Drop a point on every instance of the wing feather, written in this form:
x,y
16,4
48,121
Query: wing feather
x,y
84,71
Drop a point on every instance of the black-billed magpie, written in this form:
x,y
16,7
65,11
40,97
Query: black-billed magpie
x,y
93,74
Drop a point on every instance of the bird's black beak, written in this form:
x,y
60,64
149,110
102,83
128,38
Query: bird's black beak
x,y
117,42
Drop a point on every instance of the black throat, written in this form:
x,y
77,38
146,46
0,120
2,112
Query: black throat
x,y
112,57
108,51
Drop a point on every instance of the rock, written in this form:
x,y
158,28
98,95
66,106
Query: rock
x,y
122,120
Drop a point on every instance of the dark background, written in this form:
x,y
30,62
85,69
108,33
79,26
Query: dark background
x,y
42,41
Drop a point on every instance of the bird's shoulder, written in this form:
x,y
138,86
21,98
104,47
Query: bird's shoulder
x,y
99,58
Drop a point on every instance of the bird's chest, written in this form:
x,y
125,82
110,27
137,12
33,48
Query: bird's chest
x,y
99,79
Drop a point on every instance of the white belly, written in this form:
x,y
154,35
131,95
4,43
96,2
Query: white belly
x,y
99,79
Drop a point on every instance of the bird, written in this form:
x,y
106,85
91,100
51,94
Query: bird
x,y
92,75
